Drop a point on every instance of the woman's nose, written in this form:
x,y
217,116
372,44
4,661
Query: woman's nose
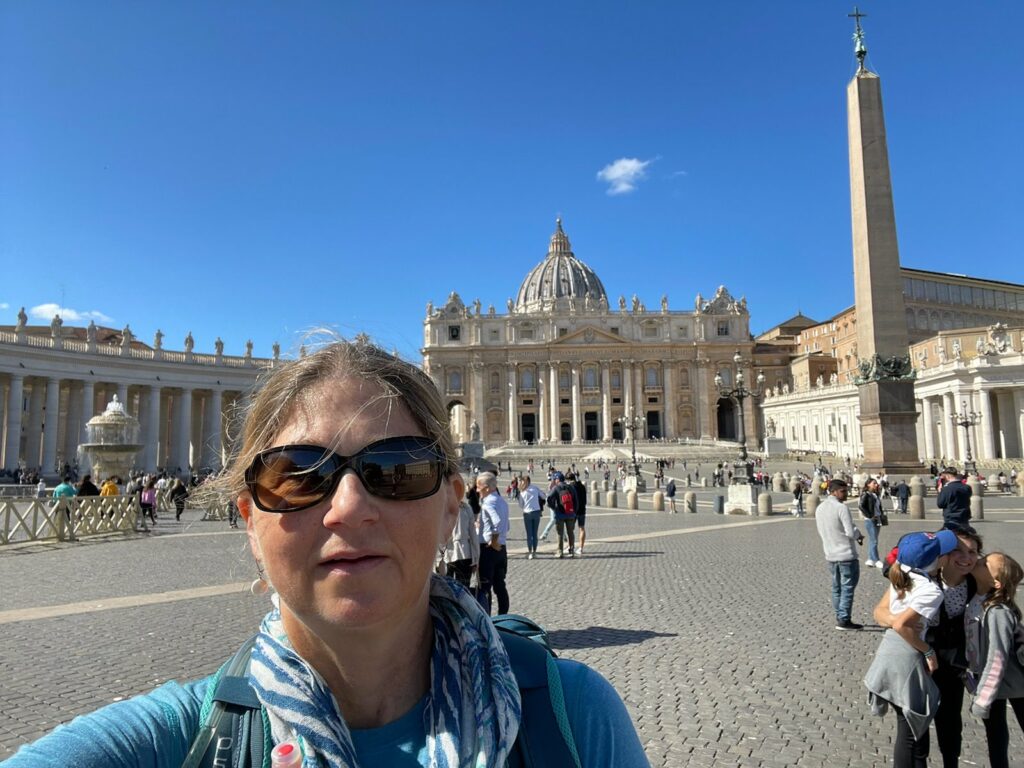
x,y
351,504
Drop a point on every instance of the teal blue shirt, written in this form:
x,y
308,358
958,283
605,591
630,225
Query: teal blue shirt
x,y
156,729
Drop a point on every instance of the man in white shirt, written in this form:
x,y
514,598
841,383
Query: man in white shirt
x,y
839,539
493,531
531,499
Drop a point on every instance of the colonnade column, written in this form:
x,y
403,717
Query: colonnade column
x,y
512,431
929,427
606,403
985,447
151,439
33,430
213,424
73,428
555,396
638,390
543,409
184,449
477,382
576,420
88,408
1009,436
670,403
51,424
12,446
949,406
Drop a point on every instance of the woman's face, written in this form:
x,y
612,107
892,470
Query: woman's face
x,y
353,560
962,559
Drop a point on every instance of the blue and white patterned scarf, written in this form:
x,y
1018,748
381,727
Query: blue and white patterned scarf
x,y
473,709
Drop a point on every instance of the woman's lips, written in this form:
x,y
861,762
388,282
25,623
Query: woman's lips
x,y
352,565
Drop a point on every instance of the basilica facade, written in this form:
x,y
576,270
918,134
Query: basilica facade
x,y
566,364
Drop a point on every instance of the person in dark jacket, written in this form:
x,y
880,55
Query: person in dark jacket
x,y
87,487
178,495
954,500
562,500
581,508
903,495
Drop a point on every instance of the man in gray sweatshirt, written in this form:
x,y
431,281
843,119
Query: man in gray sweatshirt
x,y
839,538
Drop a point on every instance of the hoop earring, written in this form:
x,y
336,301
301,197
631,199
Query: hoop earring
x,y
259,585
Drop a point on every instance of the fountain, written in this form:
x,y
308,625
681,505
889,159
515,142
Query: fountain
x,y
113,442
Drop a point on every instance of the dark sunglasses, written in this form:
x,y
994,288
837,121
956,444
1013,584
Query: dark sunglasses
x,y
289,478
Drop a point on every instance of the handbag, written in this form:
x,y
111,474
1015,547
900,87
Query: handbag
x,y
883,519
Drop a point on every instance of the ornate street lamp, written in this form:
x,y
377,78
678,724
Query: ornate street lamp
x,y
967,419
633,422
742,472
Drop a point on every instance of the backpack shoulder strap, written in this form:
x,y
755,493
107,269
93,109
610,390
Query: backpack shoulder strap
x,y
234,729
545,738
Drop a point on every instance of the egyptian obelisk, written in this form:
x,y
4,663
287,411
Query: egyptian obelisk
x,y
886,377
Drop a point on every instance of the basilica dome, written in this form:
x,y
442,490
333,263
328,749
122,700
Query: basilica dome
x,y
560,280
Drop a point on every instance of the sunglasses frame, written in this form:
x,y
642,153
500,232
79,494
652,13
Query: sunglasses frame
x,y
354,463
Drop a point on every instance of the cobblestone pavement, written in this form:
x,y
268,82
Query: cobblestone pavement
x,y
717,631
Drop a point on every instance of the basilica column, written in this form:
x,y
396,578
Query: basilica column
x,y
12,445
638,390
576,420
51,425
1018,410
477,382
512,431
1008,437
949,406
543,409
212,423
88,409
183,450
555,397
668,396
929,427
122,396
985,447
627,388
606,403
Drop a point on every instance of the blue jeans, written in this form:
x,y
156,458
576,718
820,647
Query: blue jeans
x,y
845,576
532,522
549,526
872,530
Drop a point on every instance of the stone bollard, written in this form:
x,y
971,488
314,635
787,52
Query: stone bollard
x,y
604,485
811,505
658,500
594,486
915,506
690,502
1020,484
703,482
993,481
611,499
764,504
977,500
719,505
778,483
631,500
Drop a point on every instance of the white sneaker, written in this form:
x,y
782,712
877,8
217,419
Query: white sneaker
x,y
869,563
879,564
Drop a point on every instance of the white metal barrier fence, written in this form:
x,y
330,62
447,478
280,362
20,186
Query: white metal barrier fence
x,y
66,519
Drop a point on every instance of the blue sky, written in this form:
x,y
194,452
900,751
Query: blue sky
x,y
257,169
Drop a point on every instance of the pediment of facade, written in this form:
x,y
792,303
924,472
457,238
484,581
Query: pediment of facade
x,y
586,336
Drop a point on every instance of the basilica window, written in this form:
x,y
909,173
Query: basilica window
x,y
684,377
650,331
495,382
616,379
723,327
563,380
726,374
527,379
454,332
526,334
651,376
590,378
494,334
954,294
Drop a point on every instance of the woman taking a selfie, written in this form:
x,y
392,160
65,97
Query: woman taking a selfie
x,y
347,482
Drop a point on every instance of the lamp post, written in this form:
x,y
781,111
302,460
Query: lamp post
x,y
966,419
633,422
742,471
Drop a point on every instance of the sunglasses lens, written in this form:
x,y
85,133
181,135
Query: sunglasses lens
x,y
291,479
296,477
401,468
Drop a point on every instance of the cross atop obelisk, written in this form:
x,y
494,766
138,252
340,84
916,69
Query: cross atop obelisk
x,y
859,49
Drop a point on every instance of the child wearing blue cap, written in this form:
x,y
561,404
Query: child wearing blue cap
x,y
901,672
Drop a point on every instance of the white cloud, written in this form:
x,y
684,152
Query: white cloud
x,y
68,315
4,305
623,175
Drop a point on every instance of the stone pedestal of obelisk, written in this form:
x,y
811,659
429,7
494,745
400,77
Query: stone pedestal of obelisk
x,y
886,377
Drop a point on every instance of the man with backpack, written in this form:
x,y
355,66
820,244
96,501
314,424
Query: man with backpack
x,y
581,507
563,502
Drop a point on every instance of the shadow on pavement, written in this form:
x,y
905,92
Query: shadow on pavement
x,y
601,637
619,555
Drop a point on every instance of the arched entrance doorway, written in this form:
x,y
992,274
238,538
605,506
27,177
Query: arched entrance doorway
x,y
726,419
566,432
457,414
